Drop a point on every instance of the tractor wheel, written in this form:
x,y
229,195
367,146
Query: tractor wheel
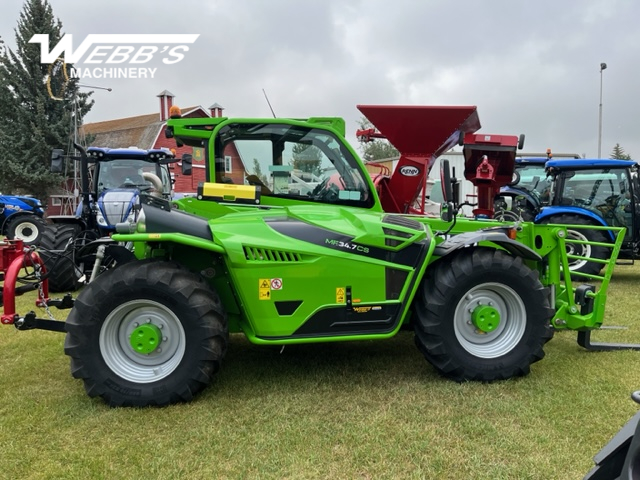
x,y
482,315
59,258
146,333
28,228
602,253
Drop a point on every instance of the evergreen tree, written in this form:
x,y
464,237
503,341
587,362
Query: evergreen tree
x,y
32,123
377,149
618,153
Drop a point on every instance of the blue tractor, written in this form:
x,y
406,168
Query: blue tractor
x,y
22,217
112,181
599,192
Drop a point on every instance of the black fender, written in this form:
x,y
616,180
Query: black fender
x,y
498,237
68,220
113,249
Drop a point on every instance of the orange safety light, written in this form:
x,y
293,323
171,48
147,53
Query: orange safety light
x,y
174,112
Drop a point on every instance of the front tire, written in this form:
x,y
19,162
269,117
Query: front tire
x,y
146,333
59,259
592,251
28,228
482,315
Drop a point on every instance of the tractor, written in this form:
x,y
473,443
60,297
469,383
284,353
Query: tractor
x,y
306,247
112,180
22,218
598,192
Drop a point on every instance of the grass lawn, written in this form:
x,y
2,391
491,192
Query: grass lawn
x,y
366,410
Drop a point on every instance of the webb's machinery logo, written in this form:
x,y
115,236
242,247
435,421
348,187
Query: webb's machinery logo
x,y
118,55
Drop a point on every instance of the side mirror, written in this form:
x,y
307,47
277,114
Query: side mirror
x,y
57,160
448,208
445,181
455,188
515,179
187,162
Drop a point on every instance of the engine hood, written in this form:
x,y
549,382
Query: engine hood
x,y
298,228
115,206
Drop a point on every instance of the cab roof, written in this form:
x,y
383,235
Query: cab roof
x,y
586,163
154,154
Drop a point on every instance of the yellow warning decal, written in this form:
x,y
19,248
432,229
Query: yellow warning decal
x,y
340,295
264,289
264,294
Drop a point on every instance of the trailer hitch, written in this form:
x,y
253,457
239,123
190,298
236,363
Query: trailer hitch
x,y
30,322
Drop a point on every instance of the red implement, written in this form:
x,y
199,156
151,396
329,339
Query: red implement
x,y
421,134
489,162
13,258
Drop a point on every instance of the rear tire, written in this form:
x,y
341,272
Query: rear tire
x,y
179,317
602,253
482,315
62,272
28,228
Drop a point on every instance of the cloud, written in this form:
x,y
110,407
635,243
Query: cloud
x,y
530,67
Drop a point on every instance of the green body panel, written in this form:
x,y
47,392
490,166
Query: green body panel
x,y
254,267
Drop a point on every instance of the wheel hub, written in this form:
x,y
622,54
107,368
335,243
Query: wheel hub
x,y
146,338
485,318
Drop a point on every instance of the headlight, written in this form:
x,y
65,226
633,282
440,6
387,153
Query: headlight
x,y
100,218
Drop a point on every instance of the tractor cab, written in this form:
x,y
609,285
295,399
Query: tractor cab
x,y
131,168
605,190
112,180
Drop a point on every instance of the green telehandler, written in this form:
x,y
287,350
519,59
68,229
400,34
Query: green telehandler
x,y
316,250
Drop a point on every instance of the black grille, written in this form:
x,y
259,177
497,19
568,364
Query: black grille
x,y
403,222
257,254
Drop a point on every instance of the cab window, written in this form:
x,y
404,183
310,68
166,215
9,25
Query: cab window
x,y
291,162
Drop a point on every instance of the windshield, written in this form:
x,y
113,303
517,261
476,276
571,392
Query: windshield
x,y
290,162
131,173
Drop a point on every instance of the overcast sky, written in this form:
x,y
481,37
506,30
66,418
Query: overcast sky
x,y
531,67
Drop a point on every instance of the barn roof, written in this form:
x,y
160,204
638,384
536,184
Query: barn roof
x,y
140,131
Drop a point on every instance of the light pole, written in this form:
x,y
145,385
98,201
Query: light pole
x,y
602,67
